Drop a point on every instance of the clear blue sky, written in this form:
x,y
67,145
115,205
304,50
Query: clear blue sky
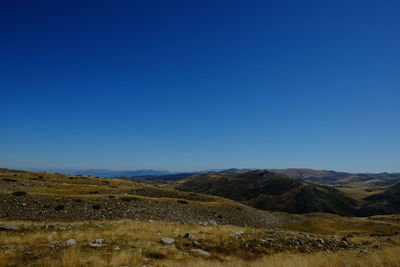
x,y
189,85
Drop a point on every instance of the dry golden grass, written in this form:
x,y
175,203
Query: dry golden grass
x,y
138,244
76,257
324,223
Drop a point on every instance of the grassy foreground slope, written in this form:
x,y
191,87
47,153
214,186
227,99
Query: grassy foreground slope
x,y
369,242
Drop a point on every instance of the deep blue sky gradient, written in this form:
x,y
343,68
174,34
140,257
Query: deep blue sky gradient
x,y
189,85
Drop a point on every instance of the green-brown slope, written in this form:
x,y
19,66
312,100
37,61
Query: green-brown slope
x,y
270,191
387,202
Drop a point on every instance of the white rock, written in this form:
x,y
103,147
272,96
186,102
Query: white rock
x,y
167,240
71,242
8,227
201,252
96,245
189,236
212,222
236,233
99,241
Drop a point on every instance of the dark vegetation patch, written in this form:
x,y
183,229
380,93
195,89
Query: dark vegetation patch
x,y
154,255
10,180
127,199
59,207
19,193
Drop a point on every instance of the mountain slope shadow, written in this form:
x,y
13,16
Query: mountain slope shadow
x,y
270,191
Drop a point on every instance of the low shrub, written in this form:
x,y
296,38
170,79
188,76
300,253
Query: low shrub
x,y
59,207
96,207
19,193
9,180
127,199
154,255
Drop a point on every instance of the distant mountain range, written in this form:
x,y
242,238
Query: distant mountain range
x,y
340,178
324,177
142,173
133,173
110,173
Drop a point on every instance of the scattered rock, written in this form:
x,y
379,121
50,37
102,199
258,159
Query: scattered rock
x,y
239,233
201,252
189,236
98,243
71,242
167,240
8,227
95,245
212,222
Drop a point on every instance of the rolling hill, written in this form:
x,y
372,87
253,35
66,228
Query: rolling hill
x,y
387,202
270,191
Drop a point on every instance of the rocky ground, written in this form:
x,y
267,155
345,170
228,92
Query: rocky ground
x,y
39,208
